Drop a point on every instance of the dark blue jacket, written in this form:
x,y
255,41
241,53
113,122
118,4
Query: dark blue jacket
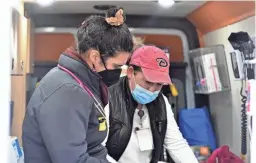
x,y
61,124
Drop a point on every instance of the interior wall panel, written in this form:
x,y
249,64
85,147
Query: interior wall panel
x,y
173,43
217,14
49,46
133,21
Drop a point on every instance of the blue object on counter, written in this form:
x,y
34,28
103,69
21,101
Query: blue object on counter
x,y
197,154
195,126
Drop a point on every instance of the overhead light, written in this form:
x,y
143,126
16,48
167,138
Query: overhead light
x,y
45,2
49,29
166,3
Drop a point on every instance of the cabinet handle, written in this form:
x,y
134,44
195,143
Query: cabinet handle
x,y
21,65
12,63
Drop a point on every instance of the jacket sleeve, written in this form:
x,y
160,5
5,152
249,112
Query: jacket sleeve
x,y
174,142
63,121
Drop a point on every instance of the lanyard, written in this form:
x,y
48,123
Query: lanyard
x,y
85,88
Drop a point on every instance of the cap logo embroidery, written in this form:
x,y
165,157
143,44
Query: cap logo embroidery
x,y
162,62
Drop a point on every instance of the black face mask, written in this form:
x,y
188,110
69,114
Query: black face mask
x,y
110,77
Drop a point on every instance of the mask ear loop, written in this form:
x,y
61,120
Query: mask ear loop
x,y
135,83
141,113
133,80
103,62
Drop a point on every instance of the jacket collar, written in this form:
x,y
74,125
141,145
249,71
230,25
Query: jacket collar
x,y
82,71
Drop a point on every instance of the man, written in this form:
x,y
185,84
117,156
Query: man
x,y
140,117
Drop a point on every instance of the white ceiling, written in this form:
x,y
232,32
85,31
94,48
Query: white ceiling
x,y
146,7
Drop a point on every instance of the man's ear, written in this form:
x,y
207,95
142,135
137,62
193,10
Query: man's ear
x,y
130,72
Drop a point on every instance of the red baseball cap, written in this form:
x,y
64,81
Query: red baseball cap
x,y
153,62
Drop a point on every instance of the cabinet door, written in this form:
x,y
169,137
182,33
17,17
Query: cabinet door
x,y
18,96
24,45
15,58
20,44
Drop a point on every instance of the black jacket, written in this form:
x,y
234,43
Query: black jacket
x,y
122,108
61,124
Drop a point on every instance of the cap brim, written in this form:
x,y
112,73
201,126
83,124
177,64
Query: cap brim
x,y
156,76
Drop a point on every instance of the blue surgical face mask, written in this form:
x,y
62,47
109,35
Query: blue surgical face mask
x,y
142,95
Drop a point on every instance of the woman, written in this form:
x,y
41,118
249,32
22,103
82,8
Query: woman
x,y
140,117
65,120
